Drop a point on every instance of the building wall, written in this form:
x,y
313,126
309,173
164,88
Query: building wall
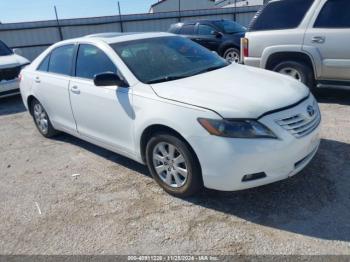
x,y
173,5
238,3
34,37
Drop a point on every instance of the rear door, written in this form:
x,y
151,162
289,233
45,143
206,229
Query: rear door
x,y
104,114
329,32
51,82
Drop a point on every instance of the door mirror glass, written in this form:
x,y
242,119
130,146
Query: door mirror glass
x,y
109,79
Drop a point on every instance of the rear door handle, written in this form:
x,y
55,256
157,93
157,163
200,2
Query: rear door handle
x,y
318,39
37,80
75,90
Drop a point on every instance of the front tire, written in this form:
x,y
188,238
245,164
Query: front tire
x,y
42,120
173,165
297,70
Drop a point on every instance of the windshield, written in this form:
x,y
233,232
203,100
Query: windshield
x,y
229,27
4,50
156,60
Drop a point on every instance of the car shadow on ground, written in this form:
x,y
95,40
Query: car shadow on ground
x,y
333,96
315,203
11,105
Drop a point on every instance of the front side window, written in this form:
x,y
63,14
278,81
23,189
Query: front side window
x,y
92,61
280,14
205,30
61,60
162,59
4,50
187,30
334,14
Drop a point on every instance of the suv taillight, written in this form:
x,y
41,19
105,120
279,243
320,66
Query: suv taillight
x,y
245,47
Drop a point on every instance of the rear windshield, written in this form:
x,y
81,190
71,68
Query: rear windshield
x,y
280,14
4,50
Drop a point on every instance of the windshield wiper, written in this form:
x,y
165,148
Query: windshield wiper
x,y
209,69
166,79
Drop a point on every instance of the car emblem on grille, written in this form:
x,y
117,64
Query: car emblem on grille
x,y
311,111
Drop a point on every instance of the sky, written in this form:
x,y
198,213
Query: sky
x,y
12,11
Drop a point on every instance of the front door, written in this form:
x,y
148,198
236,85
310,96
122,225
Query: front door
x,y
104,114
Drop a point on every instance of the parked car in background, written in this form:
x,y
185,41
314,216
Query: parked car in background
x,y
163,100
222,36
10,67
308,40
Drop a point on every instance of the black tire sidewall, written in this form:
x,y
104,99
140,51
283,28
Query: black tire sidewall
x,y
194,181
304,70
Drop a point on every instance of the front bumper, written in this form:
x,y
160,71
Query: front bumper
x,y
226,161
9,88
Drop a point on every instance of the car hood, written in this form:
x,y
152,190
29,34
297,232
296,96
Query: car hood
x,y
13,60
235,91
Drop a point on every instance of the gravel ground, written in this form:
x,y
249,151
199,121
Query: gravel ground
x,y
114,207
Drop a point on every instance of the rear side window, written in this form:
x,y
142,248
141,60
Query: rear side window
x,y
92,61
280,14
334,14
187,30
44,66
61,60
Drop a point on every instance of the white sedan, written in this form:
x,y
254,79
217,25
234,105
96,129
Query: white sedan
x,y
166,102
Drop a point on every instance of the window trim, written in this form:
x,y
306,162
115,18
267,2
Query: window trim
x,y
329,28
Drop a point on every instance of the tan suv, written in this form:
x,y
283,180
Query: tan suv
x,y
305,39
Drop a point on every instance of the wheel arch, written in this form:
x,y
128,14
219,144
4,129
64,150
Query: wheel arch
x,y
275,58
226,45
30,99
153,129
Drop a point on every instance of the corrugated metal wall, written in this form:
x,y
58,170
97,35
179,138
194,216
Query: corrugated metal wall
x,y
34,37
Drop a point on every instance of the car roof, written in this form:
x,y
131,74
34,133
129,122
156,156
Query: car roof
x,y
116,37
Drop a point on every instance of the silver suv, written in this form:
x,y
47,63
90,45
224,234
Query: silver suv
x,y
305,39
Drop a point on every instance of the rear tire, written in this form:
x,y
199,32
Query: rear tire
x,y
299,71
173,165
42,120
232,55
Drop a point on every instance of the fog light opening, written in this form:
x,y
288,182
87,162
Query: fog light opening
x,y
252,177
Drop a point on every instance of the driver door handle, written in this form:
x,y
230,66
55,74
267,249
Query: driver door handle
x,y
75,90
318,39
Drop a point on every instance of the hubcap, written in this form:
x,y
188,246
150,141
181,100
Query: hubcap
x,y
170,165
292,72
232,57
41,118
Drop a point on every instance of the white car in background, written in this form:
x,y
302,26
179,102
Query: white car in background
x,y
171,104
11,65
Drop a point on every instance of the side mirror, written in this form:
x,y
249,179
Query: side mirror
x,y
217,34
109,79
17,51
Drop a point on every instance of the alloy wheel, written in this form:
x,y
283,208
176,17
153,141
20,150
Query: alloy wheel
x,y
292,72
41,118
232,56
170,165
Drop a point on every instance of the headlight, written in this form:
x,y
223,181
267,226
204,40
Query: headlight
x,y
236,128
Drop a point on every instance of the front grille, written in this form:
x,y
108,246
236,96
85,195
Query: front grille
x,y
302,124
9,73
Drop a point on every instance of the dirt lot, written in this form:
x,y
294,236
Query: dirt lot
x,y
114,207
